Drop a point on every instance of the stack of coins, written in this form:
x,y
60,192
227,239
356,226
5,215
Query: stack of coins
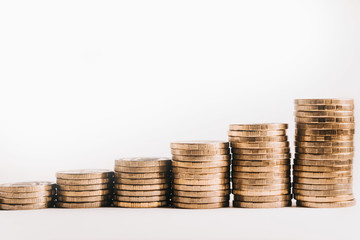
x,y
201,172
87,188
324,152
142,182
260,165
27,195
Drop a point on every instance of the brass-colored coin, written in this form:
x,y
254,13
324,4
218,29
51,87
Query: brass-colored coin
x,y
322,186
143,162
324,126
201,170
252,133
207,176
322,162
323,193
257,163
324,132
201,188
27,194
258,139
324,138
259,187
25,206
84,193
262,205
259,145
84,174
142,175
199,145
214,181
263,199
338,156
61,181
141,187
327,205
201,158
326,144
201,194
257,127
84,187
159,198
338,198
342,107
82,204
210,152
144,181
261,156
201,205
26,187
84,199
261,192
339,180
328,101
324,119
282,174
142,193
337,174
323,113
313,150
200,200
260,151
142,169
200,165
141,204
261,169
26,200
322,169
265,181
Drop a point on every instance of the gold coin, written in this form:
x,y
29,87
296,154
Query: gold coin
x,y
324,119
82,181
201,158
262,205
142,175
258,139
322,162
263,187
143,162
329,101
84,187
323,113
83,199
201,188
199,145
338,156
262,199
26,187
260,157
25,206
261,169
84,174
201,205
324,138
149,181
325,126
201,194
324,132
201,170
200,165
140,204
322,186
261,192
282,174
325,144
342,107
256,163
27,194
82,204
259,145
252,133
323,193
200,200
214,181
322,169
265,181
327,205
338,198
142,193
159,198
141,187
264,126
210,152
260,151
339,180
337,174
207,176
142,169
26,200
84,193
313,150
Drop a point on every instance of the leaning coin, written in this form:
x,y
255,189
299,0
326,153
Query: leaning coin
x,y
200,200
201,188
142,175
339,180
262,169
256,163
201,205
322,186
323,169
82,181
338,198
142,169
263,199
338,156
261,192
199,145
26,187
82,204
349,203
141,187
141,199
143,162
84,193
141,204
201,176
252,133
84,174
135,193
264,126
26,200
25,206
201,158
262,205
258,139
200,165
212,170
149,181
324,101
323,193
265,181
27,194
210,152
260,150
337,174
259,145
84,187
201,181
83,199
201,194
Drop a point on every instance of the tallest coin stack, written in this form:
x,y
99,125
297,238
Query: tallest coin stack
x,y
324,152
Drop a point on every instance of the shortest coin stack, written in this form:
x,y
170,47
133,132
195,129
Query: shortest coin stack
x,y
88,188
142,182
26,195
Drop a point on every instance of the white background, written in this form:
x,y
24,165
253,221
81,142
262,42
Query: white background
x,y
85,82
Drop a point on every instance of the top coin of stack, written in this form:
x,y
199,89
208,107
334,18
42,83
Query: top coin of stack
x,y
324,152
201,174
142,182
26,195
261,165
86,188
